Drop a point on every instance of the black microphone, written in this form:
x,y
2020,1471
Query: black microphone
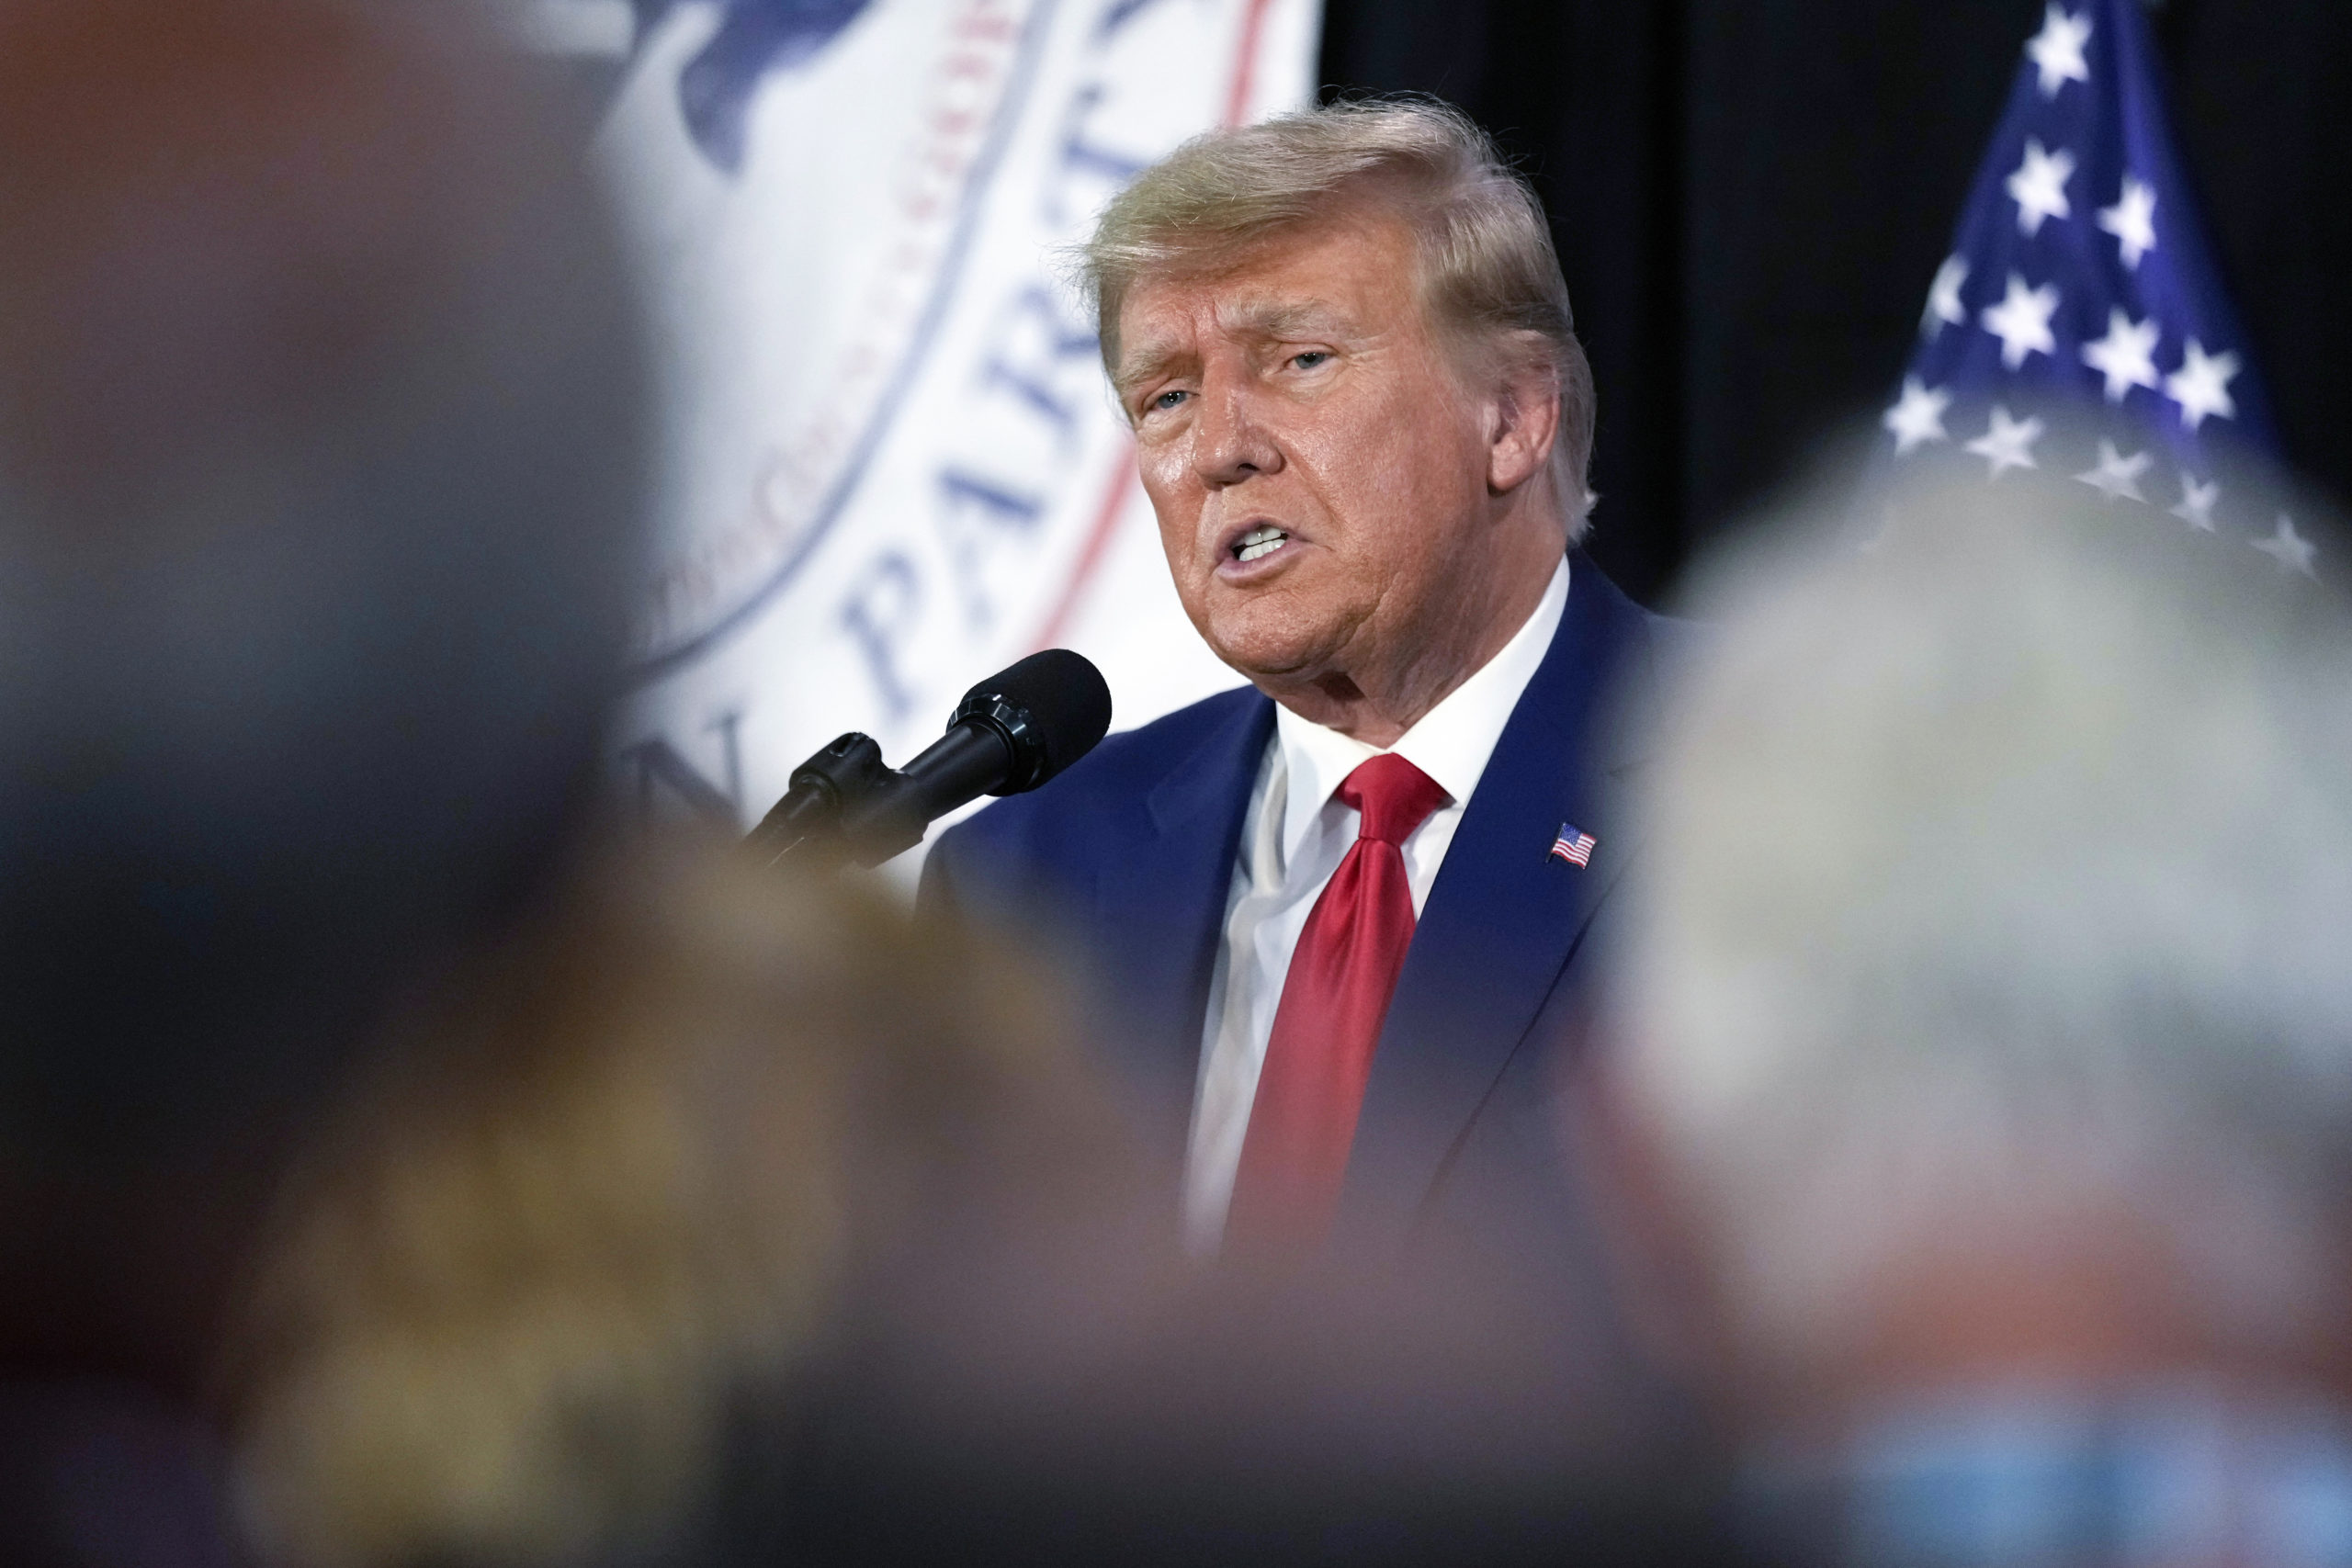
x,y
1011,733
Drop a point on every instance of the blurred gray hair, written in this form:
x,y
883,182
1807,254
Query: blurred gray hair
x,y
1994,879
1489,276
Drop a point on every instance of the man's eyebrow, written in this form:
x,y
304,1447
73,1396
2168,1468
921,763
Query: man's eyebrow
x,y
1147,363
1260,318
1284,318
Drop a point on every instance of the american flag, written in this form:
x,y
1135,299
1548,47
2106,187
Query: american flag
x,y
1574,847
2080,284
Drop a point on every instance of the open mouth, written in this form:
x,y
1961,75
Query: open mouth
x,y
1261,541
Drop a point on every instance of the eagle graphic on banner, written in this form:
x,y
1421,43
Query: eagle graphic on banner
x,y
757,37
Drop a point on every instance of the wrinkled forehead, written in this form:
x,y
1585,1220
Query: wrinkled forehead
x,y
1348,273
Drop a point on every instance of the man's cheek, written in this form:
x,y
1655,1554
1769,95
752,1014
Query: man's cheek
x,y
1176,514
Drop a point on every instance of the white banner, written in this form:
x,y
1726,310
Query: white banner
x,y
891,466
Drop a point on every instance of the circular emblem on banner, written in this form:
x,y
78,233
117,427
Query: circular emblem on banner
x,y
802,263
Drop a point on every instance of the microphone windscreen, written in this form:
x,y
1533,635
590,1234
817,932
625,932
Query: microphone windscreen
x,y
1066,697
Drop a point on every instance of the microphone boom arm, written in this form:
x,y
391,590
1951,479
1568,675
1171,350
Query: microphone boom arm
x,y
1010,734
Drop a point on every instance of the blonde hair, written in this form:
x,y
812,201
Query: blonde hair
x,y
1489,275
624,1177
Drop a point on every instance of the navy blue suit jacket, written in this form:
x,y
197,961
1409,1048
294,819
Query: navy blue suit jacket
x,y
1130,857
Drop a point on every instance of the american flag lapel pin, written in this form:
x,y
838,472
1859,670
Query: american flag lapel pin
x,y
1574,847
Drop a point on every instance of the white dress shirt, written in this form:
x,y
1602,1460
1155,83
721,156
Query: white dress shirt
x,y
1293,839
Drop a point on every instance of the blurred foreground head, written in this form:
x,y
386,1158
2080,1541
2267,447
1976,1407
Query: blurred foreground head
x,y
1988,1012
566,1281
318,419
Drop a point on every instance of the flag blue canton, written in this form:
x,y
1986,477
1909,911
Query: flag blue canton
x,y
2080,284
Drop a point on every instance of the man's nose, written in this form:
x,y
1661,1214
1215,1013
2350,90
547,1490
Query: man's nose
x,y
1230,442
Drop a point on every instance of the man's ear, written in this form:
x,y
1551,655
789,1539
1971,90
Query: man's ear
x,y
1524,422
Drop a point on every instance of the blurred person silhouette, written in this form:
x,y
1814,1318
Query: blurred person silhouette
x,y
319,452
640,1201
1982,1063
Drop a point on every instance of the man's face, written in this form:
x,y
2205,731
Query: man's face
x,y
1318,466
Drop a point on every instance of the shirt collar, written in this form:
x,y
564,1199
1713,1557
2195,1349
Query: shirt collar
x,y
1451,743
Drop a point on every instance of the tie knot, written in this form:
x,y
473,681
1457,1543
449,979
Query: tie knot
x,y
1393,796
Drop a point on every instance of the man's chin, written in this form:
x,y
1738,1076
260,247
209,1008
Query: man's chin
x,y
1274,639
1273,664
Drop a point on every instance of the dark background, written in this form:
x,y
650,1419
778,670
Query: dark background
x,y
1750,197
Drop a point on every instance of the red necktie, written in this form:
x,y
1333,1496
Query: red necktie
x,y
1334,1000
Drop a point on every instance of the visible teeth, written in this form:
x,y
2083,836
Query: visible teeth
x,y
1260,542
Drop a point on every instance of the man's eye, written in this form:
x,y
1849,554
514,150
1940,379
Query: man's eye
x,y
1166,400
1310,358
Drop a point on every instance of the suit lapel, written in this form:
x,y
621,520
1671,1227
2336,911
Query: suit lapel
x,y
1505,917
1163,899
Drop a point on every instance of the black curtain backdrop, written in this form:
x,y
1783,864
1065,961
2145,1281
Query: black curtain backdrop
x,y
1750,197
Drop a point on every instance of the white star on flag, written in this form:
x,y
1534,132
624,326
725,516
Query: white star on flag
x,y
2126,356
2007,443
2117,477
2022,320
2132,220
1944,308
2202,385
2289,549
2057,51
2038,187
2196,507
1917,416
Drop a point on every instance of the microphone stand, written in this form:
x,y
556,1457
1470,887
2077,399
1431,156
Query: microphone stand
x,y
844,804
827,786
1011,733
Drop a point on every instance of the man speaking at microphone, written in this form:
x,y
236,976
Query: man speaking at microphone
x,y
1341,912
